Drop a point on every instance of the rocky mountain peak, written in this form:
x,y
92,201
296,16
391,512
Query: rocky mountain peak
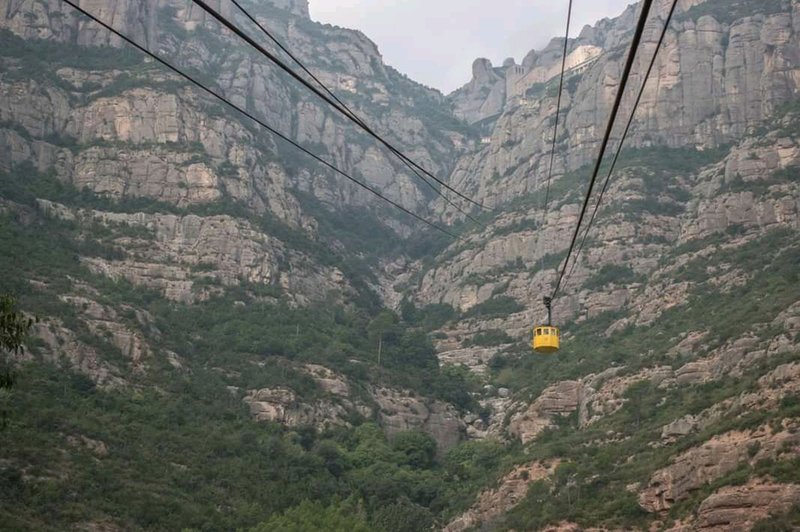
x,y
482,71
477,101
239,331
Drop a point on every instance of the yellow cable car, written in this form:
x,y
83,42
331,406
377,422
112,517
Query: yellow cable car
x,y
546,338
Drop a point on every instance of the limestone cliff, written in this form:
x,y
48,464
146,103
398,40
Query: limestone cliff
x,y
167,126
708,183
188,264
720,72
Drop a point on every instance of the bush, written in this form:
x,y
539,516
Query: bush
x,y
497,306
418,448
313,516
403,516
611,273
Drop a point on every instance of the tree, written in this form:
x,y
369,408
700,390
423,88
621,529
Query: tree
x,y
382,328
313,516
415,349
14,327
418,448
403,516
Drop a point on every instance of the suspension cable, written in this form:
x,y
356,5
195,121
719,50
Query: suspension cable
x,y
622,139
233,28
546,203
352,115
255,119
637,37
558,110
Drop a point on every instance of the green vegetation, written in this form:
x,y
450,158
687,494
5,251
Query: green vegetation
x,y
496,306
612,273
193,445
780,523
14,328
311,517
192,442
429,317
489,338
175,447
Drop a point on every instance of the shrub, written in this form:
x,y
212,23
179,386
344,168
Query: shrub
x,y
497,306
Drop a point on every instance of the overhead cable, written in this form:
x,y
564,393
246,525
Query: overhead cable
x,y
546,203
352,115
637,37
255,119
327,99
624,135
558,109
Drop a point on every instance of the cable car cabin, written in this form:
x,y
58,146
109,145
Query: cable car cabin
x,y
546,339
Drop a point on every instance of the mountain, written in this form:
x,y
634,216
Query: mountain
x,y
231,336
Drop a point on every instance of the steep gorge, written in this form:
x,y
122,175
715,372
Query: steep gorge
x,y
264,333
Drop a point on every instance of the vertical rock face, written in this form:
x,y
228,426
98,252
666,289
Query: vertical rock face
x,y
42,19
397,410
717,74
484,96
190,258
401,411
560,399
99,109
281,405
748,187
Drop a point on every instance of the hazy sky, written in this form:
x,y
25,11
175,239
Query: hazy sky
x,y
435,41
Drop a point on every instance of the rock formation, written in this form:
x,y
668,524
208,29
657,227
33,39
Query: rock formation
x,y
491,504
681,318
